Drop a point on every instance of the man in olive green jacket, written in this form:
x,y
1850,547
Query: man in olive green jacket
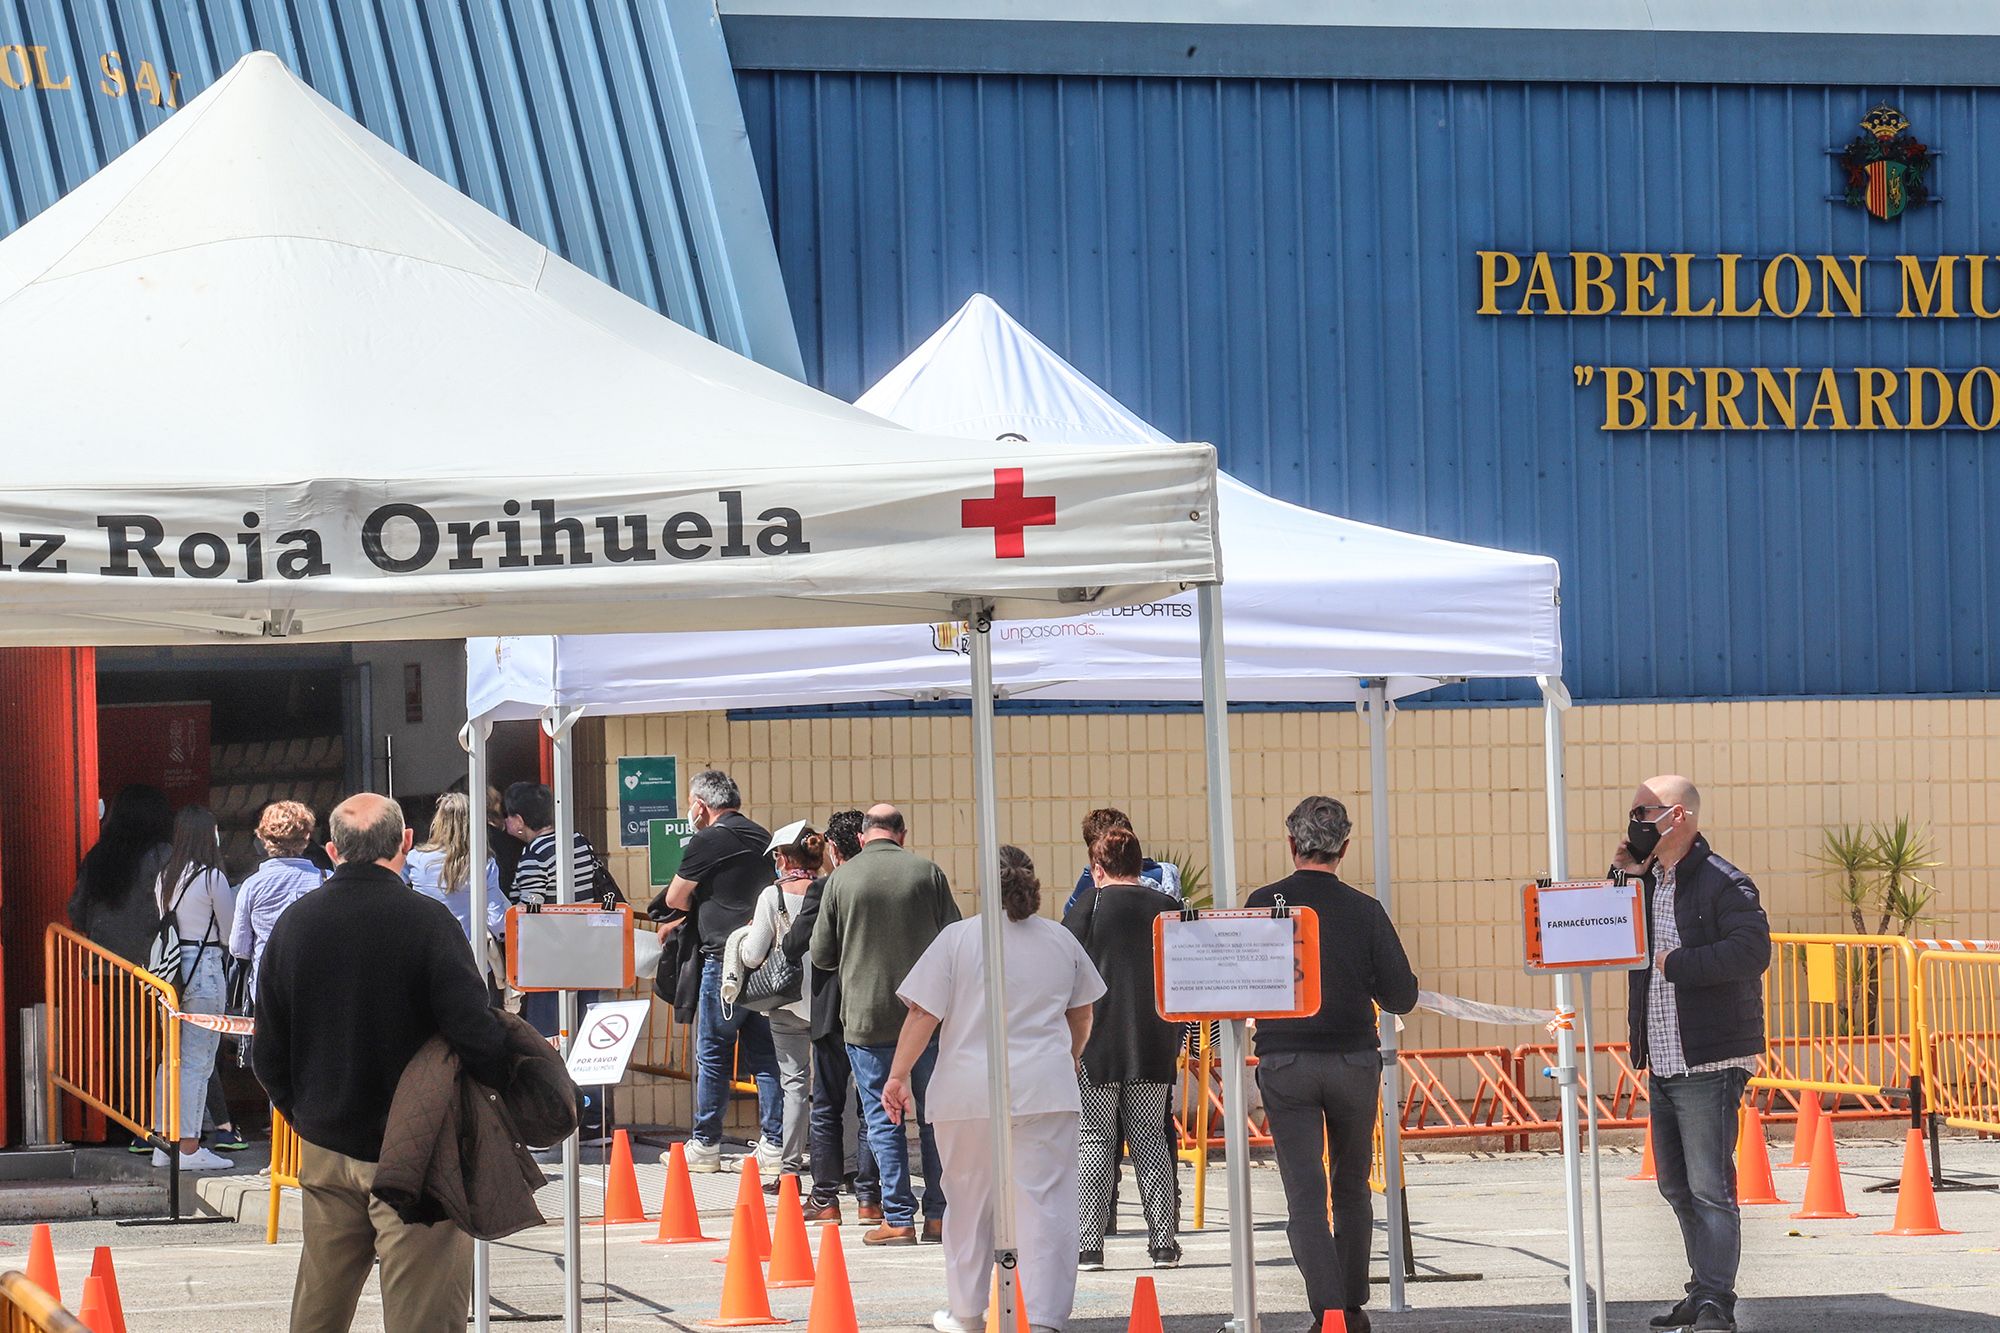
x,y
877,915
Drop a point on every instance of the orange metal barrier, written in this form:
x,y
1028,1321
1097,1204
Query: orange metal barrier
x,y
110,1033
284,1170
1961,1024
666,1050
1841,1014
26,1308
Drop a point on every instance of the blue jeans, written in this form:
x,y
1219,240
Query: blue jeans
x,y
888,1142
1694,1155
716,1040
202,988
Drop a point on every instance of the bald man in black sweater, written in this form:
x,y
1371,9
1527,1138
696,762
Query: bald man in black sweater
x,y
1321,1076
358,975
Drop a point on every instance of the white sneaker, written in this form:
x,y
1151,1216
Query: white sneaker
x,y
705,1157
201,1159
770,1158
944,1321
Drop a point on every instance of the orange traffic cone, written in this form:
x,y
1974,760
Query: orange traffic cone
x,y
42,1262
744,1299
1806,1134
750,1199
100,1266
680,1221
1335,1322
1826,1201
833,1299
791,1251
1753,1161
1645,1171
1020,1305
621,1188
95,1312
1145,1316
1916,1204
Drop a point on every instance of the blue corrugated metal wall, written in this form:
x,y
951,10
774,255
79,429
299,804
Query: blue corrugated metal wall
x,y
549,112
1286,268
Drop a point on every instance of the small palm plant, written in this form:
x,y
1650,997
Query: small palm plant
x,y
1902,855
1849,855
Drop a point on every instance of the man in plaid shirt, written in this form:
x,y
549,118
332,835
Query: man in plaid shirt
x,y
1697,1026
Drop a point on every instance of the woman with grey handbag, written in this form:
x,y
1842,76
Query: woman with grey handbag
x,y
773,983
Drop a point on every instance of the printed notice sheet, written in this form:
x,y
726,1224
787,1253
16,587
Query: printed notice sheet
x,y
1227,965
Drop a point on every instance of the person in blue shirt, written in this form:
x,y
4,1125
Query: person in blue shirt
x,y
1164,876
442,867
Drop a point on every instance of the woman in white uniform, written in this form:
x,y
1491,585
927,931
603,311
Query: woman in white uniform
x,y
1051,988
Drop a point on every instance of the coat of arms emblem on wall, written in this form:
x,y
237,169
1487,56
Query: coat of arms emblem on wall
x,y
1885,167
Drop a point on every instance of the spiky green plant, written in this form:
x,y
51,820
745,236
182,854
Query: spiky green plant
x,y
1851,860
1902,855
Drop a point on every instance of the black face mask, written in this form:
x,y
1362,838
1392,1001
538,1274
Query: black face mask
x,y
1643,838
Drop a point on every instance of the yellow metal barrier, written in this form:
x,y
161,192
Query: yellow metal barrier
x,y
284,1170
110,1033
26,1308
1961,1026
1841,1015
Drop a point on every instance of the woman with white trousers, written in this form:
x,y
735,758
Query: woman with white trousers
x,y
1050,987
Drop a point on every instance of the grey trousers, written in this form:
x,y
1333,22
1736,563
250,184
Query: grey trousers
x,y
426,1270
1321,1107
791,1037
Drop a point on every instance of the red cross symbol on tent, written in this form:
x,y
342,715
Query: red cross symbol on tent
x,y
1010,513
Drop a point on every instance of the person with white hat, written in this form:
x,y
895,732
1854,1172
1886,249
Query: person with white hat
x,y
798,853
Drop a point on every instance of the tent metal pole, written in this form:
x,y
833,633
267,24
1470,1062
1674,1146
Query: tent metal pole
x,y
1392,1097
472,738
1589,1062
560,725
1222,869
1554,697
986,853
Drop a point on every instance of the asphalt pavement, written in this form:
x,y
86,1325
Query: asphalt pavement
x,y
1488,1235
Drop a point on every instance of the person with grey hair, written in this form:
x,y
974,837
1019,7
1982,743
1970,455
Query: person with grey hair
x,y
723,871
357,976
1321,1076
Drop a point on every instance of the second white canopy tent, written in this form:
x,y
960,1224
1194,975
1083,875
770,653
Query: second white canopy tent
x,y
1319,609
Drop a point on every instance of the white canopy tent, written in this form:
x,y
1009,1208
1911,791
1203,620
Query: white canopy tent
x,y
290,386
1319,608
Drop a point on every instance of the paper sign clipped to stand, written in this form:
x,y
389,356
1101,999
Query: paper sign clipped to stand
x,y
569,946
1594,925
605,1040
1246,963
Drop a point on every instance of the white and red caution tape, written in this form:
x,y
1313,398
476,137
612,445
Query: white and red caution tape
x,y
1959,946
1476,1011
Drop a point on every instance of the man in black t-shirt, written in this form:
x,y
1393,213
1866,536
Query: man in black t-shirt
x,y
722,871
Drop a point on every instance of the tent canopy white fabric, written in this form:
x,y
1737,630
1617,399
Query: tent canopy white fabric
x,y
285,383
1313,604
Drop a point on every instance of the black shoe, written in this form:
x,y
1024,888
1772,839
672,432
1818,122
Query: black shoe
x,y
1357,1320
1090,1261
1711,1318
1679,1317
1168,1256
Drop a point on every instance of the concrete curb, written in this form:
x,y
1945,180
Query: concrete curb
x,y
70,1200
247,1199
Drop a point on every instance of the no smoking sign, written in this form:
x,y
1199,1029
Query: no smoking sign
x,y
604,1041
